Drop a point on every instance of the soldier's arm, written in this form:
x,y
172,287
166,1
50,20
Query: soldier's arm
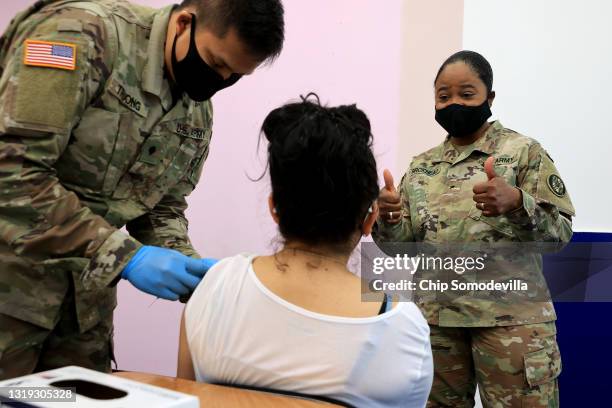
x,y
547,211
400,232
39,106
166,225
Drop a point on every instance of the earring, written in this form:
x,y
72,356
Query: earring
x,y
370,211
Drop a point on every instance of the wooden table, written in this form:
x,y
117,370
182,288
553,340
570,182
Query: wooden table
x,y
219,396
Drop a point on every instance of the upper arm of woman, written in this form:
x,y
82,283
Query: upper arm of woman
x,y
185,365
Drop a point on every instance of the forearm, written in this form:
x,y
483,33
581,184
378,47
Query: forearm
x,y
40,219
384,232
546,211
534,222
165,226
171,233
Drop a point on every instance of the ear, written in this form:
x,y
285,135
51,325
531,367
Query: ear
x,y
370,219
183,22
272,208
491,98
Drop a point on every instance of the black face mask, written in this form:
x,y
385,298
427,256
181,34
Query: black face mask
x,y
193,75
461,121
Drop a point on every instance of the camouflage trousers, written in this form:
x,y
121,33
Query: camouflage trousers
x,y
514,366
26,348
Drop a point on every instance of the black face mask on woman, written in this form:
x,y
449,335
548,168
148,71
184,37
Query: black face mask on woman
x,y
193,75
461,121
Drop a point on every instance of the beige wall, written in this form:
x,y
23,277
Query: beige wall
x,y
431,31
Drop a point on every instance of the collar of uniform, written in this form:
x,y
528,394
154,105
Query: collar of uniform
x,y
447,153
154,80
487,143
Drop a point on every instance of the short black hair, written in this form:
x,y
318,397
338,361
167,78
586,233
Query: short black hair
x,y
322,170
477,62
260,23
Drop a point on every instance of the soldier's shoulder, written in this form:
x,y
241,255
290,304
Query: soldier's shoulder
x,y
128,12
68,9
69,16
89,19
516,140
132,13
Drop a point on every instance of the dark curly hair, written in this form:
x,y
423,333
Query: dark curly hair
x,y
322,170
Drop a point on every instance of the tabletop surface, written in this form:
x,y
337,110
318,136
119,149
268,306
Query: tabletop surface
x,y
220,396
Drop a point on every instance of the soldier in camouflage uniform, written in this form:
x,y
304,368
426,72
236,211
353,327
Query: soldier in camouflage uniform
x,y
484,183
105,122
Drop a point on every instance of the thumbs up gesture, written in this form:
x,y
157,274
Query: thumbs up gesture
x,y
495,196
389,201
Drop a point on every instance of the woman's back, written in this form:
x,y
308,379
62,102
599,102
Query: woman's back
x,y
241,332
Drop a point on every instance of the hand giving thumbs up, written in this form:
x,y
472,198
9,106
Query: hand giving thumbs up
x,y
495,196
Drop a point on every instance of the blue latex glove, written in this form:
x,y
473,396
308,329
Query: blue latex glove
x,y
165,273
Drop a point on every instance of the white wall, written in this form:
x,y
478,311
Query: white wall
x,y
552,61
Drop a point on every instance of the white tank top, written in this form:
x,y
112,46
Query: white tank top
x,y
241,333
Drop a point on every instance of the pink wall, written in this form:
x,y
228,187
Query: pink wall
x,y
9,9
381,55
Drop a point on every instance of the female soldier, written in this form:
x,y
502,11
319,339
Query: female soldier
x,y
453,193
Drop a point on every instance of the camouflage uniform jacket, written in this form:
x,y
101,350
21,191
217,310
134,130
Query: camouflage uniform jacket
x,y
438,207
86,151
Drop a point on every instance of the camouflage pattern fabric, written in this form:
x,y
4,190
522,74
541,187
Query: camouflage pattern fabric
x,y
508,348
26,348
87,151
438,207
514,366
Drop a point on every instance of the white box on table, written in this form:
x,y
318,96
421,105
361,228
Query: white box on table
x,y
138,394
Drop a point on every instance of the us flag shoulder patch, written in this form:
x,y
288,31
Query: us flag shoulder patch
x,y
50,54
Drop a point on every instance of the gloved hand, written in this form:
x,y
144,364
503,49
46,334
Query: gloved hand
x,y
165,273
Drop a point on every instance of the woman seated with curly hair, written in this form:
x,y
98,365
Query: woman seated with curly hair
x,y
296,321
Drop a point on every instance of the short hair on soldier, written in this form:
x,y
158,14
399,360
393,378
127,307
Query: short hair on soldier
x,y
322,170
474,60
259,23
